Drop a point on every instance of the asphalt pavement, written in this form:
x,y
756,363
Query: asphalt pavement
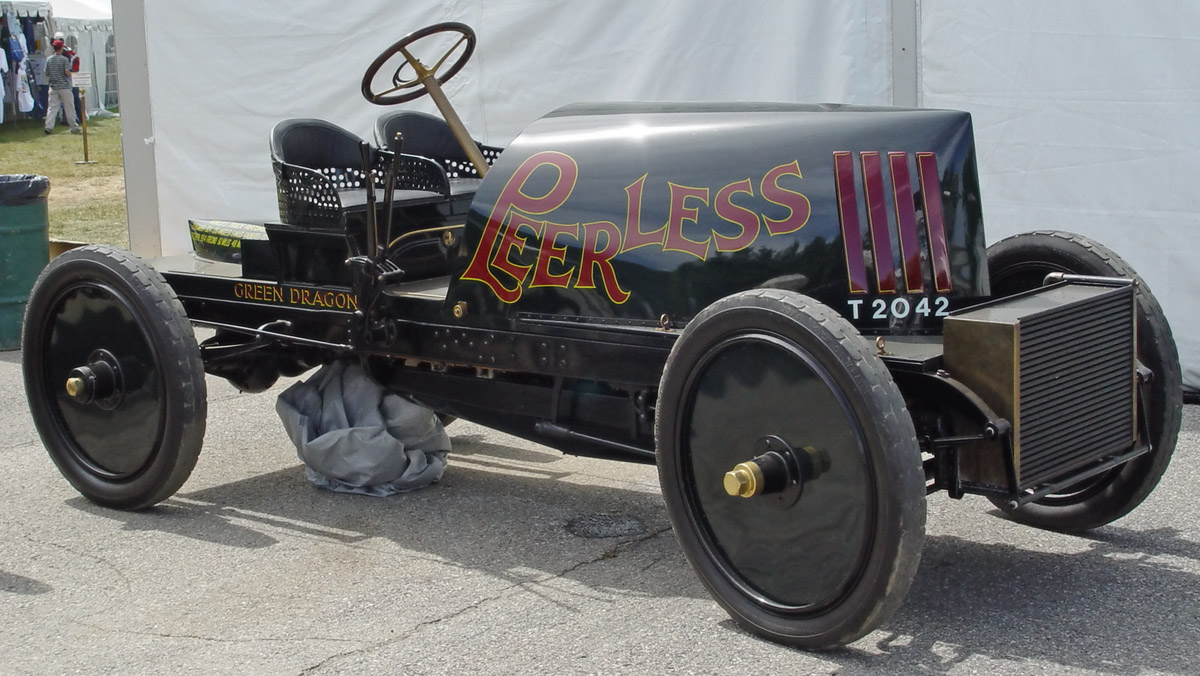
x,y
525,561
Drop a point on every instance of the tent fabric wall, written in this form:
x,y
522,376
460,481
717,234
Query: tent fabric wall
x,y
1084,110
1085,120
222,73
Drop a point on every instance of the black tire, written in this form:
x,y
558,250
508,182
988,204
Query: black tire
x,y
1021,262
829,568
132,439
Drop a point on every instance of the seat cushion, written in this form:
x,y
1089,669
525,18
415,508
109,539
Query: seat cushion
x,y
353,200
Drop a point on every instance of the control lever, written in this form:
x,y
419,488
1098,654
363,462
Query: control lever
x,y
389,193
364,149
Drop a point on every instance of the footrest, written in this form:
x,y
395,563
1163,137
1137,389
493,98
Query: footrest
x,y
222,240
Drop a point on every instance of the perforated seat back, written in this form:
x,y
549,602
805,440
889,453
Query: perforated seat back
x,y
321,185
313,160
429,136
316,144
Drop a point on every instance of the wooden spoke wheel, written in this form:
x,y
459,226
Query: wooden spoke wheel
x,y
790,468
114,377
1020,263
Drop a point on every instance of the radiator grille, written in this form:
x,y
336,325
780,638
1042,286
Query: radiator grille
x,y
1059,364
1076,393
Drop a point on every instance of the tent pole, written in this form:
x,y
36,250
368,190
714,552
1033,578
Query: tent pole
x,y
906,40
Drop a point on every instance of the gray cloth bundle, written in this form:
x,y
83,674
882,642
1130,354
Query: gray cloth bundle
x,y
356,437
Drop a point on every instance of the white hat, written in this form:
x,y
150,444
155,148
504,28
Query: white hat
x,y
58,35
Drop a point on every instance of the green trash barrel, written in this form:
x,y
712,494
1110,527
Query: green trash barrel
x,y
24,248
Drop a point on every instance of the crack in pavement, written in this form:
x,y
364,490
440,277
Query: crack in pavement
x,y
216,639
606,555
117,572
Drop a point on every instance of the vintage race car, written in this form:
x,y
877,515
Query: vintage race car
x,y
790,309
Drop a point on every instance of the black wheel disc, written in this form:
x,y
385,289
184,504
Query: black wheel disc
x,y
800,559
113,377
117,441
823,557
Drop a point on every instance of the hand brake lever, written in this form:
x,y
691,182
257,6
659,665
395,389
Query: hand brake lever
x,y
389,192
364,149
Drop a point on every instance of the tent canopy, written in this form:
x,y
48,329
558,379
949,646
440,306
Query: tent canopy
x,y
82,9
26,7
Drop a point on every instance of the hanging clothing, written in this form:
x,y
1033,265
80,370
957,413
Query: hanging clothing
x,y
26,85
3,77
27,31
14,27
24,92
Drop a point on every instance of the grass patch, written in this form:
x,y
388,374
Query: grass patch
x,y
87,201
101,221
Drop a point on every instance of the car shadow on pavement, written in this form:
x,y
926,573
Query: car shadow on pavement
x,y
1124,603
19,584
488,513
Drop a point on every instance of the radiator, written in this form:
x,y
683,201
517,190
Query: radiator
x,y
1059,363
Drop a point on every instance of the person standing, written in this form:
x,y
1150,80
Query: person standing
x,y
58,75
70,54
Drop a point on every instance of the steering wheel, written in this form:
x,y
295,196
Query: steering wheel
x,y
415,87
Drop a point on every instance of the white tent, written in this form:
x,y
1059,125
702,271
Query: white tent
x,y
26,7
83,9
88,28
1085,120
1084,111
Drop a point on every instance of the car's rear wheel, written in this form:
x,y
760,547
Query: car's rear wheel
x,y
825,547
114,377
1020,263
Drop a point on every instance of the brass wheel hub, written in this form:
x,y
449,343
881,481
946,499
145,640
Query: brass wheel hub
x,y
745,480
778,470
98,382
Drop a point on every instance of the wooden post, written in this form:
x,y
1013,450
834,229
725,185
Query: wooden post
x,y
85,79
83,121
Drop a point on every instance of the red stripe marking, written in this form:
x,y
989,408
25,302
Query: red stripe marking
x,y
881,241
935,224
856,269
906,219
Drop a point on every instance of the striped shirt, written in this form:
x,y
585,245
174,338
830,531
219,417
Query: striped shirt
x,y
58,72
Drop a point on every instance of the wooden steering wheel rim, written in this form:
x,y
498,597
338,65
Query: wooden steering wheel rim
x,y
418,90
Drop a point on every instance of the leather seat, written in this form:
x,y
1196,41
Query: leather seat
x,y
321,181
323,185
429,136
